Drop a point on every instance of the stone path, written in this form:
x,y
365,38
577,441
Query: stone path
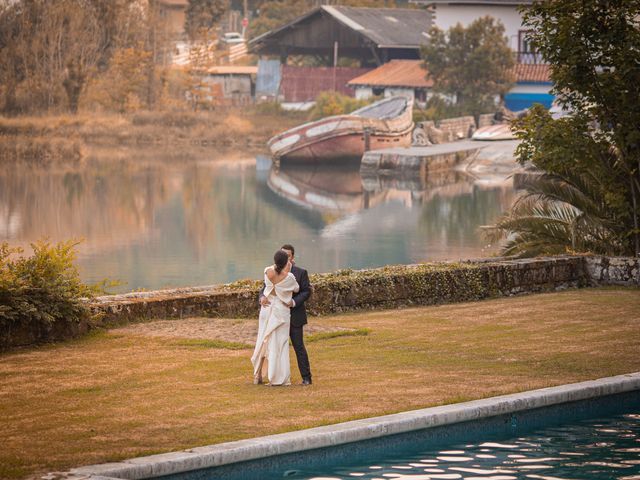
x,y
229,330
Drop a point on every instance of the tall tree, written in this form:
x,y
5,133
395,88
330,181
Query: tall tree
x,y
593,48
201,16
474,64
50,50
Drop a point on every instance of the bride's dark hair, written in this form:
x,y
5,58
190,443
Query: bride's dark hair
x,y
280,258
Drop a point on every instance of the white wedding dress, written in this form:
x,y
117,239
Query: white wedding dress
x,y
273,331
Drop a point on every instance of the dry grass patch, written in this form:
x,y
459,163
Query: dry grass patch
x,y
228,127
224,332
120,394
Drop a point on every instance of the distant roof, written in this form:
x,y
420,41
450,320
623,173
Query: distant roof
x,y
472,2
396,73
232,70
533,73
385,27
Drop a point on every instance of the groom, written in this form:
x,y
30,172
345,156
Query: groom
x,y
298,314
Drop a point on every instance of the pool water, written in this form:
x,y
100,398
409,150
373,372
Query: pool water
x,y
604,449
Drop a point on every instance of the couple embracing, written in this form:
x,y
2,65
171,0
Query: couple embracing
x,y
282,315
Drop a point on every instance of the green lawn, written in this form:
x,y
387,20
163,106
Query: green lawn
x,y
111,395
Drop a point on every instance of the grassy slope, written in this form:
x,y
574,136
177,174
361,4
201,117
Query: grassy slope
x,y
232,127
108,397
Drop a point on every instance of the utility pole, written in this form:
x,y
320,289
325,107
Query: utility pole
x,y
245,19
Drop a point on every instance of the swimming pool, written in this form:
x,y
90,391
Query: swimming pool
x,y
597,449
500,438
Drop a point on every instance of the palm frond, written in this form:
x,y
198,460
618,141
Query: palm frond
x,y
555,215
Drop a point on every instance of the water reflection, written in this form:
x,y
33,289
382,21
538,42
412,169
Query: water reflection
x,y
546,454
154,223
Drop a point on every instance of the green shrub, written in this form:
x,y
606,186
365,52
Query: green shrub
x,y
334,103
40,290
438,108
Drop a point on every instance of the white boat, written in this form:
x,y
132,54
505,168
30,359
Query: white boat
x,y
501,131
384,124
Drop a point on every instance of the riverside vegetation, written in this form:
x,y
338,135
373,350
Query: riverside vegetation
x,y
66,138
42,291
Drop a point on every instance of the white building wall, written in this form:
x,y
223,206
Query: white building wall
x,y
532,88
446,16
362,93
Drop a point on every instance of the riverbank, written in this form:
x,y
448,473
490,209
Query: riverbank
x,y
66,137
104,397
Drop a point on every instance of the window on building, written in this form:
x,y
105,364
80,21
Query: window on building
x,y
526,51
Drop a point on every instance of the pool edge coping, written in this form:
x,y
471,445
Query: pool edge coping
x,y
352,431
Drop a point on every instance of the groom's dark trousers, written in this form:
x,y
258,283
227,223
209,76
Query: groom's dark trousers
x,y
299,320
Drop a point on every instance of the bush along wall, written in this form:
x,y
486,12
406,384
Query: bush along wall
x,y
347,290
41,296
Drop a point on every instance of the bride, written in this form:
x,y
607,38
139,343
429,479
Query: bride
x,y
272,343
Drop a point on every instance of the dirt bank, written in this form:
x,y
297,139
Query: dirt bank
x,y
65,137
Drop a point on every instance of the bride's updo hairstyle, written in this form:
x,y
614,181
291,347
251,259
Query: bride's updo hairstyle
x,y
280,259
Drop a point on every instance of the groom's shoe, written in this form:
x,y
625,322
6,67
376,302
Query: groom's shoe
x,y
306,381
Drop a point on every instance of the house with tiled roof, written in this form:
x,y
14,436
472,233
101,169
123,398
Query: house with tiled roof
x,y
447,13
533,83
397,77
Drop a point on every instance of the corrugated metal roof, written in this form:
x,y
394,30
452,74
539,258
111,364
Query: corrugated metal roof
x,y
303,84
533,72
387,27
268,79
396,73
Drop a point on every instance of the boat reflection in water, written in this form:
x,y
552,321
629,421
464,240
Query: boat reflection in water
x,y
335,190
343,190
445,209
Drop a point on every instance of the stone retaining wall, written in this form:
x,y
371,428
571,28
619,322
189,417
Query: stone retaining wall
x,y
448,129
613,270
389,162
486,119
350,290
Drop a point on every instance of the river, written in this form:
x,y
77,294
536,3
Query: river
x,y
152,222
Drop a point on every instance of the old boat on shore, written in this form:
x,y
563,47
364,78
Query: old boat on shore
x,y
383,124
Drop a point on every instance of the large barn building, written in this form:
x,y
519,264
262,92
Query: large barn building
x,y
371,35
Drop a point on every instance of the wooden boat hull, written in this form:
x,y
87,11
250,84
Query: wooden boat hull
x,y
342,138
345,148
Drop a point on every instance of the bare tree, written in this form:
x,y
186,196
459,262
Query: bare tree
x,y
50,50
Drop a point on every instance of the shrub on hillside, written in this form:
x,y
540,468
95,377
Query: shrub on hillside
x,y
438,108
334,103
38,291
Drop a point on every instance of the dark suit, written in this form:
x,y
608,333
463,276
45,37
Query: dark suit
x,y
299,320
